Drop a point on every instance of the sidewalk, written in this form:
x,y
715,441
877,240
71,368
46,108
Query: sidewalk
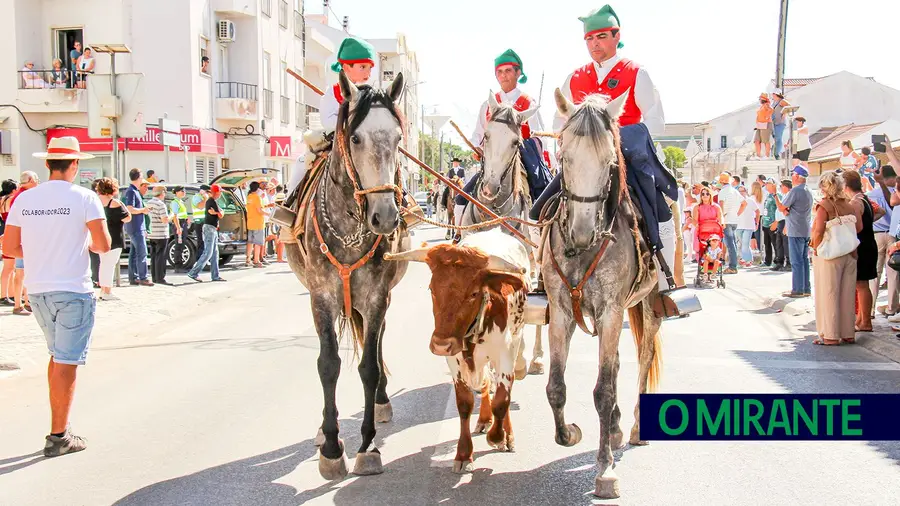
x,y
22,344
768,286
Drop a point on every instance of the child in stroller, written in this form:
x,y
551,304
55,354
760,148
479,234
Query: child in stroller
x,y
712,259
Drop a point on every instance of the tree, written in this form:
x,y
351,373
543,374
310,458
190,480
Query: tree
x,y
675,157
431,156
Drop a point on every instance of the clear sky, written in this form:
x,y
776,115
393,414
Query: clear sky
x,y
706,57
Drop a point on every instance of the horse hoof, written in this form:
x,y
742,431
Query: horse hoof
x,y
367,464
463,466
499,445
384,413
536,367
606,486
333,469
510,443
481,428
574,435
320,438
521,373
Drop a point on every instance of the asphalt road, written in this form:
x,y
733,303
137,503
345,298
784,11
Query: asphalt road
x,y
221,407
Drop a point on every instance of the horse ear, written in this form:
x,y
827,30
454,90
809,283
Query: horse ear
x,y
395,91
528,113
563,104
616,107
492,100
348,90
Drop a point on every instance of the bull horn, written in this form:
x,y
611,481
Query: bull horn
x,y
496,263
413,255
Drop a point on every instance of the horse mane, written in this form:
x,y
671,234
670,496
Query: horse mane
x,y
591,120
367,98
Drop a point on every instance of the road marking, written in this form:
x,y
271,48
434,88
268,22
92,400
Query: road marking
x,y
761,364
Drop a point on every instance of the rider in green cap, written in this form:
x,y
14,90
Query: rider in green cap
x,y
356,58
611,75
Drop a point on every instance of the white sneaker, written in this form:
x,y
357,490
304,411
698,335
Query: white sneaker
x,y
894,319
108,296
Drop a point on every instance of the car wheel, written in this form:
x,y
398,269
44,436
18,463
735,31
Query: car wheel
x,y
224,259
181,256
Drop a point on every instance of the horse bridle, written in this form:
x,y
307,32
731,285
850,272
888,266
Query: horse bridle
x,y
567,195
512,163
359,192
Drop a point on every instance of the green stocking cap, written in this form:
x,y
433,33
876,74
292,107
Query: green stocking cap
x,y
603,19
352,51
509,57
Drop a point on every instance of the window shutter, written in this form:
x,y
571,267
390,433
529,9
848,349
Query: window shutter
x,y
200,169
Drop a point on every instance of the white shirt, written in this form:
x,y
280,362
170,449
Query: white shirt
x,y
645,93
53,217
747,219
680,198
328,109
535,122
730,201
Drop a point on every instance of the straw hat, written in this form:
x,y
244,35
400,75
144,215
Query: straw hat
x,y
63,148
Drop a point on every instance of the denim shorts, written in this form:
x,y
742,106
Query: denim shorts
x,y
20,263
257,237
67,319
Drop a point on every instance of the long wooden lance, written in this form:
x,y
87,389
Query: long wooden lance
x,y
464,138
436,174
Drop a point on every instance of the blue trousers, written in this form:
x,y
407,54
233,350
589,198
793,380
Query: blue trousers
x,y
778,141
731,244
746,236
137,257
210,252
798,248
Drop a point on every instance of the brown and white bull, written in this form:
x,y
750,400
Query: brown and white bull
x,y
478,289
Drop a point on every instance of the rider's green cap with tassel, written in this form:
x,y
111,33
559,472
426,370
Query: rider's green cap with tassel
x,y
352,51
509,57
603,19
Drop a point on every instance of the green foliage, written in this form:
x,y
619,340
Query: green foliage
x,y
431,156
675,157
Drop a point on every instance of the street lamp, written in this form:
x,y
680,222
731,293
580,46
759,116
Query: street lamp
x,y
113,50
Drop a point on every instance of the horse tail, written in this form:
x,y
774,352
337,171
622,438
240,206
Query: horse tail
x,y
636,323
359,337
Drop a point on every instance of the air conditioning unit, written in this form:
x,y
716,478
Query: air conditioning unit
x,y
226,31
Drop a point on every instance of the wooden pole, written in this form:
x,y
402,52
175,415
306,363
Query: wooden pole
x,y
468,197
437,174
464,138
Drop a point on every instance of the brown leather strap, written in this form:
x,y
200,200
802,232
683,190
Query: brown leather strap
x,y
577,293
344,270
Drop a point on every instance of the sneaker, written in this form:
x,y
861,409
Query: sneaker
x,y
6,301
68,443
108,296
894,319
777,268
793,295
145,282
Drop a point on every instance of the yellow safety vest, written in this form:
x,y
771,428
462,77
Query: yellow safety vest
x,y
182,213
198,211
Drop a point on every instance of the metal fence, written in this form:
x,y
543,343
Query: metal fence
x,y
232,89
44,79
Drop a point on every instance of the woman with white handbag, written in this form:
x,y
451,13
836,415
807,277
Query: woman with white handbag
x,y
834,242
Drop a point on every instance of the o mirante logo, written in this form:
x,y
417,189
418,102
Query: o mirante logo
x,y
770,416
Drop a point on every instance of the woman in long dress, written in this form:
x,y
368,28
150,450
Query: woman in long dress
x,y
836,283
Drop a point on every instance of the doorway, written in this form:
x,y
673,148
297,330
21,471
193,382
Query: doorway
x,y
64,43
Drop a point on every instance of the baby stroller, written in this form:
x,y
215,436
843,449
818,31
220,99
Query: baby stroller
x,y
706,231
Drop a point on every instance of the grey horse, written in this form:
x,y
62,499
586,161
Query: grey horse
x,y
353,221
503,188
597,266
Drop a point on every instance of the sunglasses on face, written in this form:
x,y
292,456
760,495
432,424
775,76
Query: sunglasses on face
x,y
704,194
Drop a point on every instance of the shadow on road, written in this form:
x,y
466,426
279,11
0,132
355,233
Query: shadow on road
x,y
20,462
252,480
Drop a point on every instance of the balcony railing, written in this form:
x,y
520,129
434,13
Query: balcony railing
x,y
285,110
48,79
268,99
230,89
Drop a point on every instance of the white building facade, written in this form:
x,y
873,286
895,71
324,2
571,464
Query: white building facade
x,y
241,110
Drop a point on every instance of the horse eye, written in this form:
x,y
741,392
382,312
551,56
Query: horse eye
x,y
354,139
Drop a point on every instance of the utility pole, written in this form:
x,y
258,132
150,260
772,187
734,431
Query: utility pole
x,y
782,37
115,121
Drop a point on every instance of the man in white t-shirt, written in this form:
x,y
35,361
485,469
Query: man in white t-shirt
x,y
730,202
54,225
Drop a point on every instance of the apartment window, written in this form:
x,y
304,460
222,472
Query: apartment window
x,y
205,169
299,24
709,144
204,55
283,14
268,95
266,6
723,141
285,86
387,76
